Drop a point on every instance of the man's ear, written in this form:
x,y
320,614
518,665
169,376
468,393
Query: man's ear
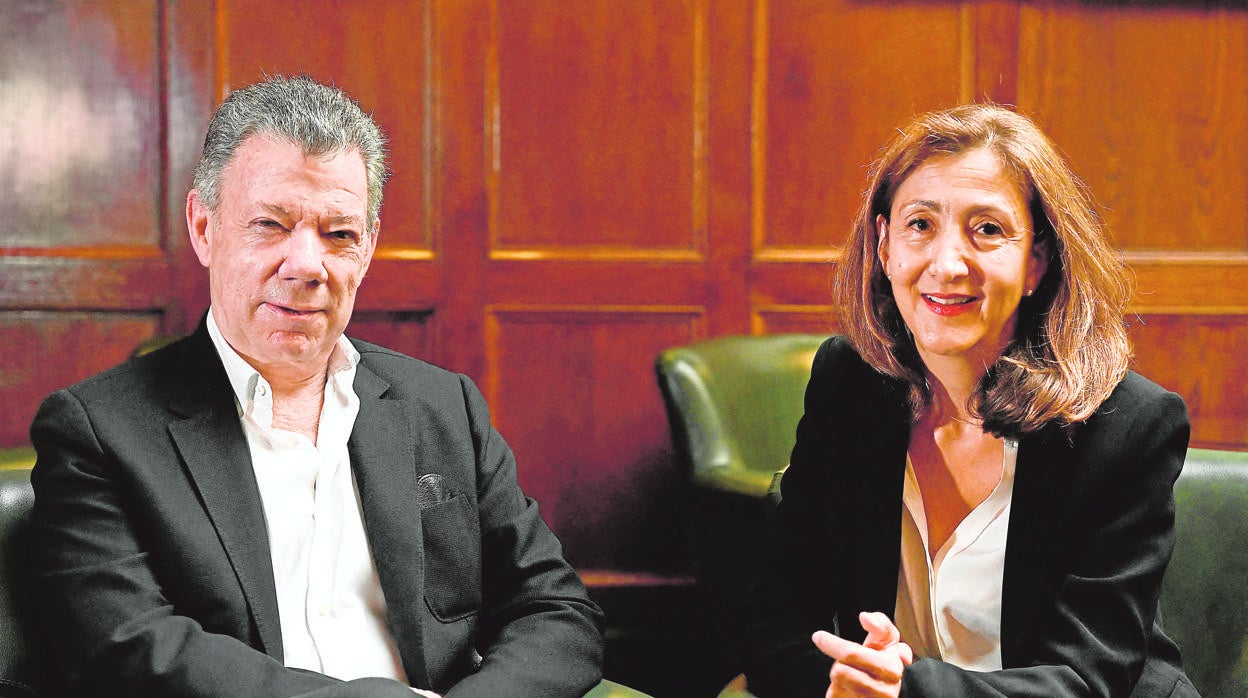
x,y
372,247
199,227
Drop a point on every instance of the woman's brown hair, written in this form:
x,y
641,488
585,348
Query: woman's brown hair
x,y
1070,346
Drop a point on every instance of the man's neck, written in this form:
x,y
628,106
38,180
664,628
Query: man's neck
x,y
299,410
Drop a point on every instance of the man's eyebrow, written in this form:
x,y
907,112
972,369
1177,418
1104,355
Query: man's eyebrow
x,y
344,219
275,209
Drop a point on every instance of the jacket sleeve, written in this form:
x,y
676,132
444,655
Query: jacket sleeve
x,y
106,623
539,633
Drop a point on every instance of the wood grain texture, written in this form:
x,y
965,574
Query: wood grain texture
x,y
591,439
836,79
46,351
598,119
80,106
380,53
1202,358
1150,102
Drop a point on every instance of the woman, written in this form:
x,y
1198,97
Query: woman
x,y
980,501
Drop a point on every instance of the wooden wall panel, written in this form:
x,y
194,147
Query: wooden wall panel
x,y
88,264
405,331
833,79
591,439
81,104
801,319
1150,102
599,143
45,351
379,52
1202,358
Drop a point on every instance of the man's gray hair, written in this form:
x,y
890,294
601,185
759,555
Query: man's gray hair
x,y
321,119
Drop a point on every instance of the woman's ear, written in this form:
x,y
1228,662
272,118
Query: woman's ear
x,y
1037,263
881,245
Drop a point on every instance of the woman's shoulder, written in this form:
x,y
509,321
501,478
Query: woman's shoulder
x,y
837,353
1135,393
839,374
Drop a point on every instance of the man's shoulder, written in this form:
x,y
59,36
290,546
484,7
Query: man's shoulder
x,y
134,374
397,367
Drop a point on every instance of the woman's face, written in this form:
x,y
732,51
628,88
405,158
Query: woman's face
x,y
957,248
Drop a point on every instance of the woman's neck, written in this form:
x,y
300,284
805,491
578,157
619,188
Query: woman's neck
x,y
952,381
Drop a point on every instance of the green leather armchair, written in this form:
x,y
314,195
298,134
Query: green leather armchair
x,y
1204,598
733,404
17,670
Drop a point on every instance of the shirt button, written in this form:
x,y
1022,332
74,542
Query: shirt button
x,y
323,610
261,390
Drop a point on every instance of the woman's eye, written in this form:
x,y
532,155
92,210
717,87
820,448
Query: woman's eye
x,y
919,224
990,229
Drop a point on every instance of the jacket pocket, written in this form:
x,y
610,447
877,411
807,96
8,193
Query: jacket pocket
x,y
452,540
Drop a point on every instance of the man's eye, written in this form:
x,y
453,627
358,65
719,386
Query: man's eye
x,y
345,235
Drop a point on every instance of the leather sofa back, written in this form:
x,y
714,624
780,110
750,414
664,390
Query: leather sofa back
x,y
1204,599
16,498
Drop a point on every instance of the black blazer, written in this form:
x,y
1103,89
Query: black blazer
x,y
1091,531
152,561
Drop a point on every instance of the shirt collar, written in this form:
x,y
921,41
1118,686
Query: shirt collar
x,y
245,380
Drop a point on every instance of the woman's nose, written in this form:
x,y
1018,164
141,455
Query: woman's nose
x,y
949,255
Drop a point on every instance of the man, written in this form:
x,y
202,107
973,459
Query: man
x,y
267,508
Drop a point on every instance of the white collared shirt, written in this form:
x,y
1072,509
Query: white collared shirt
x,y
331,607
949,605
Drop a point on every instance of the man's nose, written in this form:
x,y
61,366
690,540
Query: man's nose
x,y
305,256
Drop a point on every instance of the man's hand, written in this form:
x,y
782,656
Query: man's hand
x,y
871,669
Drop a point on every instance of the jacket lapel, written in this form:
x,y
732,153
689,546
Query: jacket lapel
x,y
383,456
212,445
1041,483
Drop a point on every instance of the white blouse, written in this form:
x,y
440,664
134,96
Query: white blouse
x,y
949,604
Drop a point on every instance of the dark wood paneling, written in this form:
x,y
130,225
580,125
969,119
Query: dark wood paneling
x,y
803,319
90,264
81,104
1151,104
45,351
379,52
834,80
603,152
590,436
408,332
1202,358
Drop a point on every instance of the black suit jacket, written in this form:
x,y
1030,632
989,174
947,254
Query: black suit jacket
x,y
152,560
1091,531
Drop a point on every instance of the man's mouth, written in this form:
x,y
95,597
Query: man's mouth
x,y
288,310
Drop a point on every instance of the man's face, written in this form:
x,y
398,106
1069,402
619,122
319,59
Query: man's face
x,y
285,250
